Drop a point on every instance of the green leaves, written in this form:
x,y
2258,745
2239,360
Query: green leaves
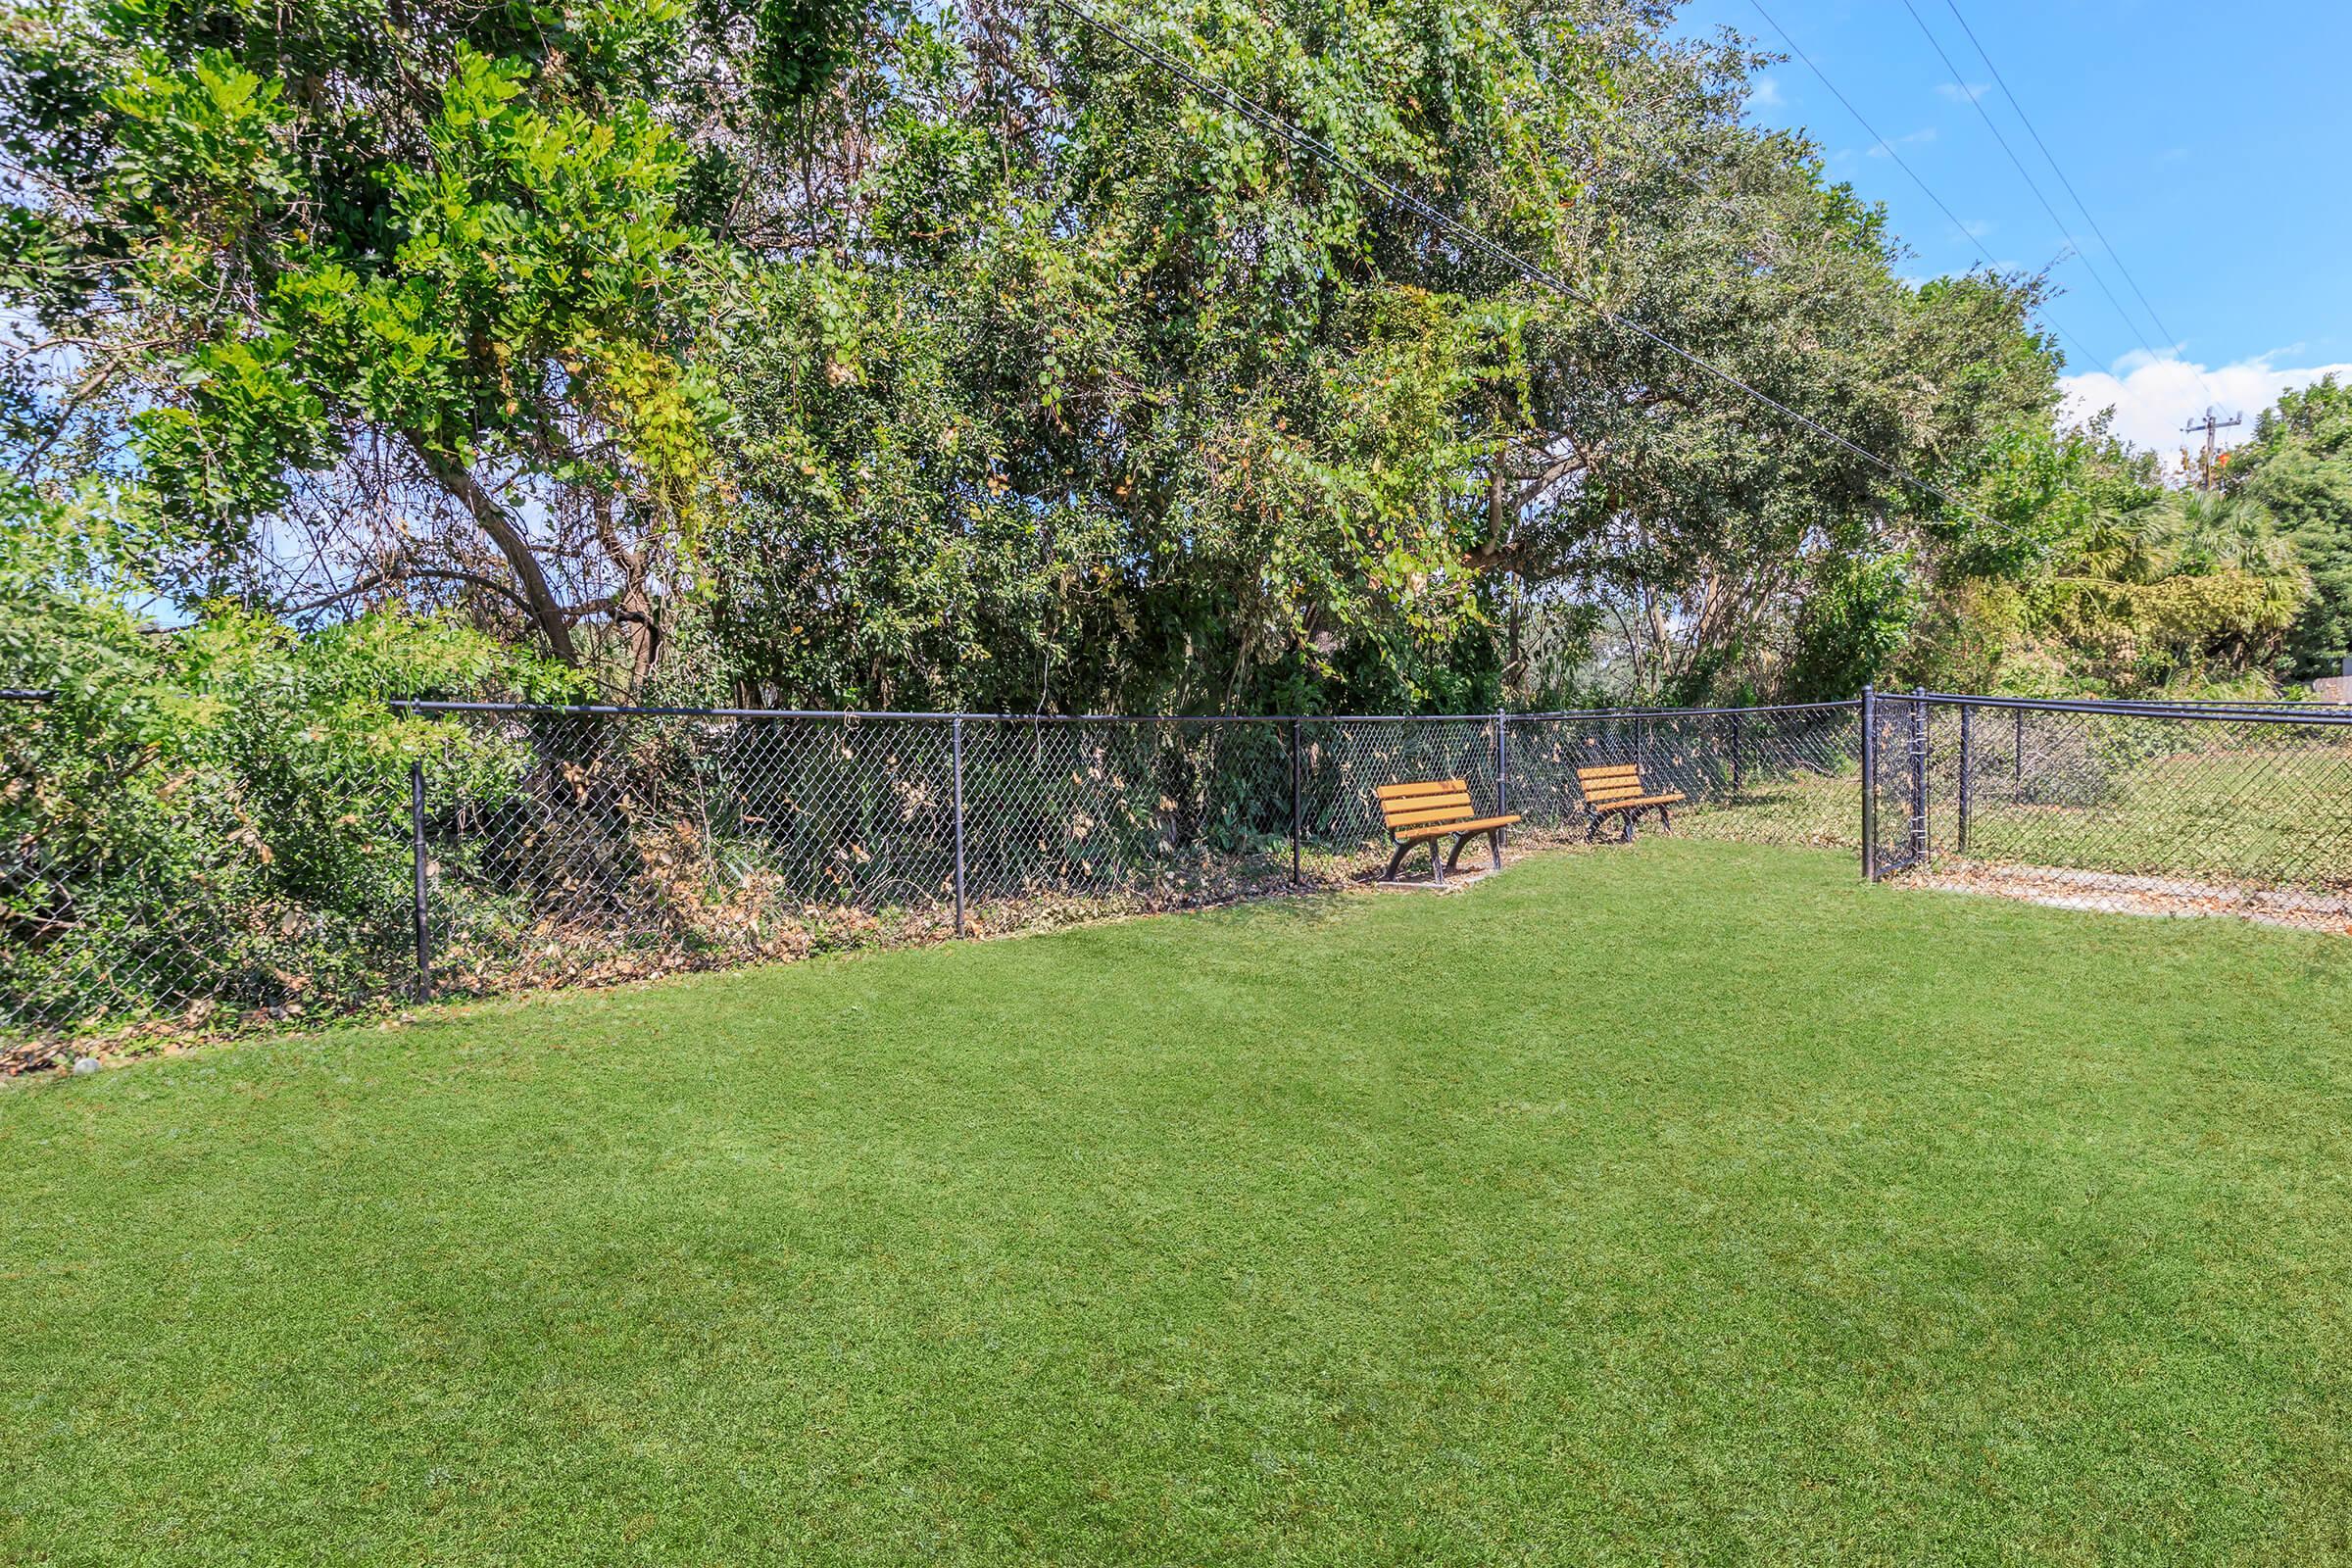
x,y
246,425
802,46
457,239
205,137
2299,468
956,354
1175,413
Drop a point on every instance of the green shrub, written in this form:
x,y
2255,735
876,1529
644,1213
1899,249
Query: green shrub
x,y
211,814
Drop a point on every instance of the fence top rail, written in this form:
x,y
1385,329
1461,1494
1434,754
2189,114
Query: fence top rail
x,y
880,715
1693,713
2280,705
614,711
603,711
2285,713
25,694
409,705
2168,704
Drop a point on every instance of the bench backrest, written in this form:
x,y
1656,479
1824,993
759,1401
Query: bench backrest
x,y
1432,802
1606,786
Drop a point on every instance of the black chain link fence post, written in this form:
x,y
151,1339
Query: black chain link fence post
x,y
1502,767
1296,805
420,917
1919,775
1737,729
956,749
1967,765
1870,784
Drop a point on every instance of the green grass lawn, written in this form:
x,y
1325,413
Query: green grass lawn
x,y
2277,817
1822,810
1690,1204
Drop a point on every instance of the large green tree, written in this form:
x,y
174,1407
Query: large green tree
x,y
2298,466
372,299
1109,395
874,353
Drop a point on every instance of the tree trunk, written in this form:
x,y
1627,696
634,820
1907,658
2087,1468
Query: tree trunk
x,y
636,608
493,520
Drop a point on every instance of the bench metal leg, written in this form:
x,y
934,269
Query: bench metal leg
x,y
1461,842
1437,867
1396,860
1666,818
1627,837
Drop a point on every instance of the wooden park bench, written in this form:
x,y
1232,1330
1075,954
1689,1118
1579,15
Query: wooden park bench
x,y
1424,813
1616,790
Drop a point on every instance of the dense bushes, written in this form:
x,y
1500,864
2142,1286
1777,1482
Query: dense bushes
x,y
211,814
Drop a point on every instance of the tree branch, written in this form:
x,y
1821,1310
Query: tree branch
x,y
538,598
389,579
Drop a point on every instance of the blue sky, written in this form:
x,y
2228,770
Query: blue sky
x,y
2212,145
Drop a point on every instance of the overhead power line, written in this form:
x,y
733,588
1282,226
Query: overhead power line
x,y
1471,239
1960,80
1902,164
2051,158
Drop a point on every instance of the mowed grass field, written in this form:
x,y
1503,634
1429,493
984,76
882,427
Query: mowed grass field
x,y
2280,816
2277,817
1682,1204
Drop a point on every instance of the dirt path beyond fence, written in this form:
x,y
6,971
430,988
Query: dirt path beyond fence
x,y
2111,893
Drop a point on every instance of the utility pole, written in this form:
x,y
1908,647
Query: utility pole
x,y
2209,425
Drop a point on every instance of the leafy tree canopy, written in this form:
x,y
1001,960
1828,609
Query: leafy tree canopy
x,y
2298,466
880,355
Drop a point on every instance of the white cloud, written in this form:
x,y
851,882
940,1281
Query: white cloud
x,y
1963,92
1764,93
1885,148
2153,398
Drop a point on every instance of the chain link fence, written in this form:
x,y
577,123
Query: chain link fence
x,y
508,847
515,847
1785,775
2144,809
629,843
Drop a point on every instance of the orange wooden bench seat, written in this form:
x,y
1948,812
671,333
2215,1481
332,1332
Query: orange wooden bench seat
x,y
1616,790
1425,811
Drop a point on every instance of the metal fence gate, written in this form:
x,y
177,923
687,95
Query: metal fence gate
x,y
1894,783
2136,806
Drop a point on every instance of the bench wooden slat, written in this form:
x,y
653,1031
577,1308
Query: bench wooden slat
x,y
1415,803
1423,802
1432,786
1606,770
1438,830
1452,813
1636,802
1426,802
